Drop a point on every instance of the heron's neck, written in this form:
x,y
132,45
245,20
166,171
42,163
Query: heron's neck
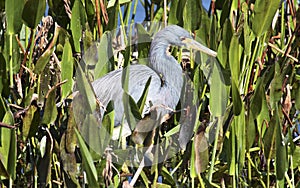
x,y
166,65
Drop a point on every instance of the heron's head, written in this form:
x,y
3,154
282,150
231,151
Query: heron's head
x,y
177,36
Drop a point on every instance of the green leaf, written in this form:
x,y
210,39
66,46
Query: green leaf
x,y
87,162
281,153
105,55
31,121
141,102
144,41
42,61
235,52
45,57
237,101
257,99
276,87
172,19
33,12
78,21
67,70
264,11
270,137
85,89
8,148
131,110
218,93
13,11
192,15
50,111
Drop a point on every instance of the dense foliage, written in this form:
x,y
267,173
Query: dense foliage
x,y
246,132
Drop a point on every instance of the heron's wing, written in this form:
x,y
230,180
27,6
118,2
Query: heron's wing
x,y
110,88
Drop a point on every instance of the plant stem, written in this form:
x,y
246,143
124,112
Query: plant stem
x,y
214,150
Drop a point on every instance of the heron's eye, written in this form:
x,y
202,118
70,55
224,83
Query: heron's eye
x,y
182,38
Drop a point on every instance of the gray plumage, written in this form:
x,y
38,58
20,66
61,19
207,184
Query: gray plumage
x,y
164,70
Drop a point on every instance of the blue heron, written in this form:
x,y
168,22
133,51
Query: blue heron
x,y
165,72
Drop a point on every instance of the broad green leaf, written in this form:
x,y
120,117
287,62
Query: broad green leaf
x,y
42,61
248,34
91,131
235,52
8,148
108,124
232,144
13,11
192,15
225,14
31,121
264,11
144,41
276,87
85,89
237,101
250,131
105,55
131,110
67,70
240,126
141,102
11,53
204,29
281,153
50,111
112,17
218,93
296,156
172,18
270,137
87,162
3,79
257,99
78,21
33,12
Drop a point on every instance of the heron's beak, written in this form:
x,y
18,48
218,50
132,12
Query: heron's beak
x,y
190,43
